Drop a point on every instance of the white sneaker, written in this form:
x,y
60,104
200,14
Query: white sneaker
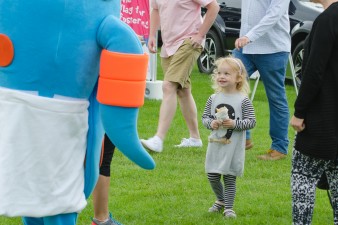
x,y
216,207
229,213
155,144
190,142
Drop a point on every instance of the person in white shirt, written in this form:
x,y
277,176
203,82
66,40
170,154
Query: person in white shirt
x,y
264,46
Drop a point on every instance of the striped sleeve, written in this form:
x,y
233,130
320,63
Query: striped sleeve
x,y
249,119
207,118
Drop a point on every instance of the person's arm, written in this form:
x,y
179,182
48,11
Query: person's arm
x,y
249,119
207,118
209,18
120,90
321,46
154,26
297,124
274,13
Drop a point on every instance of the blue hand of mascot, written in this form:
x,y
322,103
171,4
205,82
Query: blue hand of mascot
x,y
55,107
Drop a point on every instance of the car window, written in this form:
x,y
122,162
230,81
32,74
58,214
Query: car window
x,y
231,3
230,11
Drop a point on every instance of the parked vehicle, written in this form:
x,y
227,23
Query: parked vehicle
x,y
222,35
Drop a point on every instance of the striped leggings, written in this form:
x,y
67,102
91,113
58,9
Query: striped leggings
x,y
224,193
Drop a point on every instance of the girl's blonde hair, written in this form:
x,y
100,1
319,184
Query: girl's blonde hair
x,y
237,66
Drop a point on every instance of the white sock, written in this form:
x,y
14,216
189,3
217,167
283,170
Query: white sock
x,y
194,139
100,221
158,138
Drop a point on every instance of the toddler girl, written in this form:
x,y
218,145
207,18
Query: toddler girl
x,y
228,113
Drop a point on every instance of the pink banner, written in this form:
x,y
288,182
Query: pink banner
x,y
135,13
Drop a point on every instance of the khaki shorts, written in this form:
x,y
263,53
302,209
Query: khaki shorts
x,y
177,68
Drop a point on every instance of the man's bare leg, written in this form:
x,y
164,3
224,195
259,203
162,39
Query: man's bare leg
x,y
168,108
101,198
189,111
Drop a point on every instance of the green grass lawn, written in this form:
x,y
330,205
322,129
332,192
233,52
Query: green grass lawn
x,y
178,192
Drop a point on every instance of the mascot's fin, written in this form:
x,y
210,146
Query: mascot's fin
x,y
122,131
120,91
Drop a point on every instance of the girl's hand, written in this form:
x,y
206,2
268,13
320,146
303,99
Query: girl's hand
x,y
215,124
228,123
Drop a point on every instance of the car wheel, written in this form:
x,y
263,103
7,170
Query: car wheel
x,y
297,57
212,50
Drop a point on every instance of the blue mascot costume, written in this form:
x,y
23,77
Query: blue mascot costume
x,y
69,71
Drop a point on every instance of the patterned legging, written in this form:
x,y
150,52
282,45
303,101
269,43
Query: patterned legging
x,y
226,193
306,171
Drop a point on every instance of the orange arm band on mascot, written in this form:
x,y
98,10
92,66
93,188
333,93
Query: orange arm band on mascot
x,y
122,79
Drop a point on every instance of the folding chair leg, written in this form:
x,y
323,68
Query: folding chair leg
x,y
292,67
257,76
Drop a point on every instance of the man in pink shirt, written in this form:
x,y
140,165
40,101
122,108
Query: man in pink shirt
x,y
183,34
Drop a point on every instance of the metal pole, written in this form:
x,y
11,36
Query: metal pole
x,y
292,67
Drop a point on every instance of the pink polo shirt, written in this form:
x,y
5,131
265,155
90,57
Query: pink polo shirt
x,y
180,19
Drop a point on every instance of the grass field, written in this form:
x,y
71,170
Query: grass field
x,y
177,191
